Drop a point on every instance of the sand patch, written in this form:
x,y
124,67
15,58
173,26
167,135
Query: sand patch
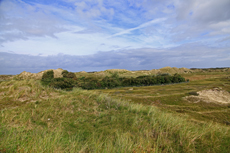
x,y
215,95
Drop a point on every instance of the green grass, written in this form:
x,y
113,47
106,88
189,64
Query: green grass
x,y
170,97
34,118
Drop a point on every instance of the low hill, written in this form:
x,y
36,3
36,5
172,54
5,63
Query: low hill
x,y
121,72
172,70
38,76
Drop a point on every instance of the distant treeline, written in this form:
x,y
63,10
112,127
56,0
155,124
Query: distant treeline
x,y
69,81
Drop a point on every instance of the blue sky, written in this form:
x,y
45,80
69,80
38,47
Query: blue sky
x,y
104,34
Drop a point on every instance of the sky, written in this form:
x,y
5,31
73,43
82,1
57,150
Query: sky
x,y
95,35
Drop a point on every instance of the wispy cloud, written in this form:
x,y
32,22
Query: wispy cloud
x,y
154,21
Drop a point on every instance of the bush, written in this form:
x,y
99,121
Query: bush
x,y
64,73
115,75
164,74
70,75
141,77
62,83
46,82
69,80
48,75
167,79
177,78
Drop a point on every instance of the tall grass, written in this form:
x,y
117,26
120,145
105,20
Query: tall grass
x,y
85,121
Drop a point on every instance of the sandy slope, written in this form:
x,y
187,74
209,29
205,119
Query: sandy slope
x,y
215,95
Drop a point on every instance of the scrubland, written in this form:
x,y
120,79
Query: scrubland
x,y
35,118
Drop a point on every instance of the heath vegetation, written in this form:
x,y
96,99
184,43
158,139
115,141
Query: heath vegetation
x,y
70,80
37,116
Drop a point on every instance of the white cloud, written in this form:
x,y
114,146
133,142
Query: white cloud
x,y
27,21
131,59
210,11
69,42
155,21
83,27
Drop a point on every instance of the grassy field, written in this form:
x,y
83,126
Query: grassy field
x,y
170,97
34,118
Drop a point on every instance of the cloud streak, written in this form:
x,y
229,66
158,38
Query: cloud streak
x,y
155,21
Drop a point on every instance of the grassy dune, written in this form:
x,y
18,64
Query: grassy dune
x,y
34,118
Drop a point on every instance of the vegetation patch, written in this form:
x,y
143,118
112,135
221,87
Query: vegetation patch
x,y
85,121
40,118
70,80
184,98
67,82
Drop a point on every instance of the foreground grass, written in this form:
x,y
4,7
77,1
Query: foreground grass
x,y
38,119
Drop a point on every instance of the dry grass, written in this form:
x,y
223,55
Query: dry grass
x,y
34,118
17,93
37,76
171,97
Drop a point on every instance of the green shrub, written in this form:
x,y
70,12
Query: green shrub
x,y
115,75
141,77
46,82
164,74
69,80
48,75
70,75
82,78
62,83
167,79
64,73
